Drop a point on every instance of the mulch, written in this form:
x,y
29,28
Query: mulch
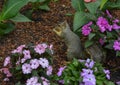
x,y
39,31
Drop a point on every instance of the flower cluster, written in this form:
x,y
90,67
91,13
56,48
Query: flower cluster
x,y
29,59
105,30
89,73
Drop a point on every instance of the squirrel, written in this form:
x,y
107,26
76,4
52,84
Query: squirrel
x,y
72,41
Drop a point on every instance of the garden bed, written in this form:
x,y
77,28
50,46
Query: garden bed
x,y
40,30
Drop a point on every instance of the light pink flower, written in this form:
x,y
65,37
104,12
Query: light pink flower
x,y
40,48
61,70
6,72
43,62
19,49
23,60
49,70
26,68
34,63
7,61
26,54
32,81
45,81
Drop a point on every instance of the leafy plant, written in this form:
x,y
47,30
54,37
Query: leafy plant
x,y
29,65
83,72
10,13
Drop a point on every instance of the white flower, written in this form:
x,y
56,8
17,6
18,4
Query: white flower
x,y
43,62
32,81
34,63
26,68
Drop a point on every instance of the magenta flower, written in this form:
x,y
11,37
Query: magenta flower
x,y
49,70
61,81
40,48
103,24
32,81
19,49
108,13
7,61
43,62
107,72
86,29
101,41
115,26
61,70
116,45
26,68
34,63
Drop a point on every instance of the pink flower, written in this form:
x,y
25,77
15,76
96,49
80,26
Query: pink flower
x,y
43,62
107,72
87,1
50,47
116,45
7,61
45,81
19,49
115,26
26,54
49,70
26,68
6,71
40,48
34,63
108,13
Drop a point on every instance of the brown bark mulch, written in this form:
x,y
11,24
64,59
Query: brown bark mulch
x,y
40,30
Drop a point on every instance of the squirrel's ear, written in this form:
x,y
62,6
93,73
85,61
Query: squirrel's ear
x,y
66,24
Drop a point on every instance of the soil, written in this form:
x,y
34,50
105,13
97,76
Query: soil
x,y
40,30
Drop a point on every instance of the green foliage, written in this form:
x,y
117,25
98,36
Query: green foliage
x,y
71,75
10,11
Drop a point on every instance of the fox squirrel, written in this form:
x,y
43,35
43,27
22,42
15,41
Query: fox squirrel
x,y
72,41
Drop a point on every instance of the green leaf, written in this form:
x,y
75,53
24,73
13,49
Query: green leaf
x,y
44,7
6,28
109,46
11,8
118,53
19,83
20,18
91,35
78,5
103,3
108,83
93,6
18,67
88,43
79,20
99,82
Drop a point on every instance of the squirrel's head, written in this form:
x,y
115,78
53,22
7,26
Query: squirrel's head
x,y
61,28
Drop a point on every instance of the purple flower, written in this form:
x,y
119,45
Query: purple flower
x,y
19,49
108,13
26,68
43,62
49,70
61,70
107,72
118,82
32,81
115,26
116,45
89,63
34,63
89,80
38,84
61,81
6,72
40,48
116,21
45,81
86,29
7,61
103,24
86,72
26,54
23,60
